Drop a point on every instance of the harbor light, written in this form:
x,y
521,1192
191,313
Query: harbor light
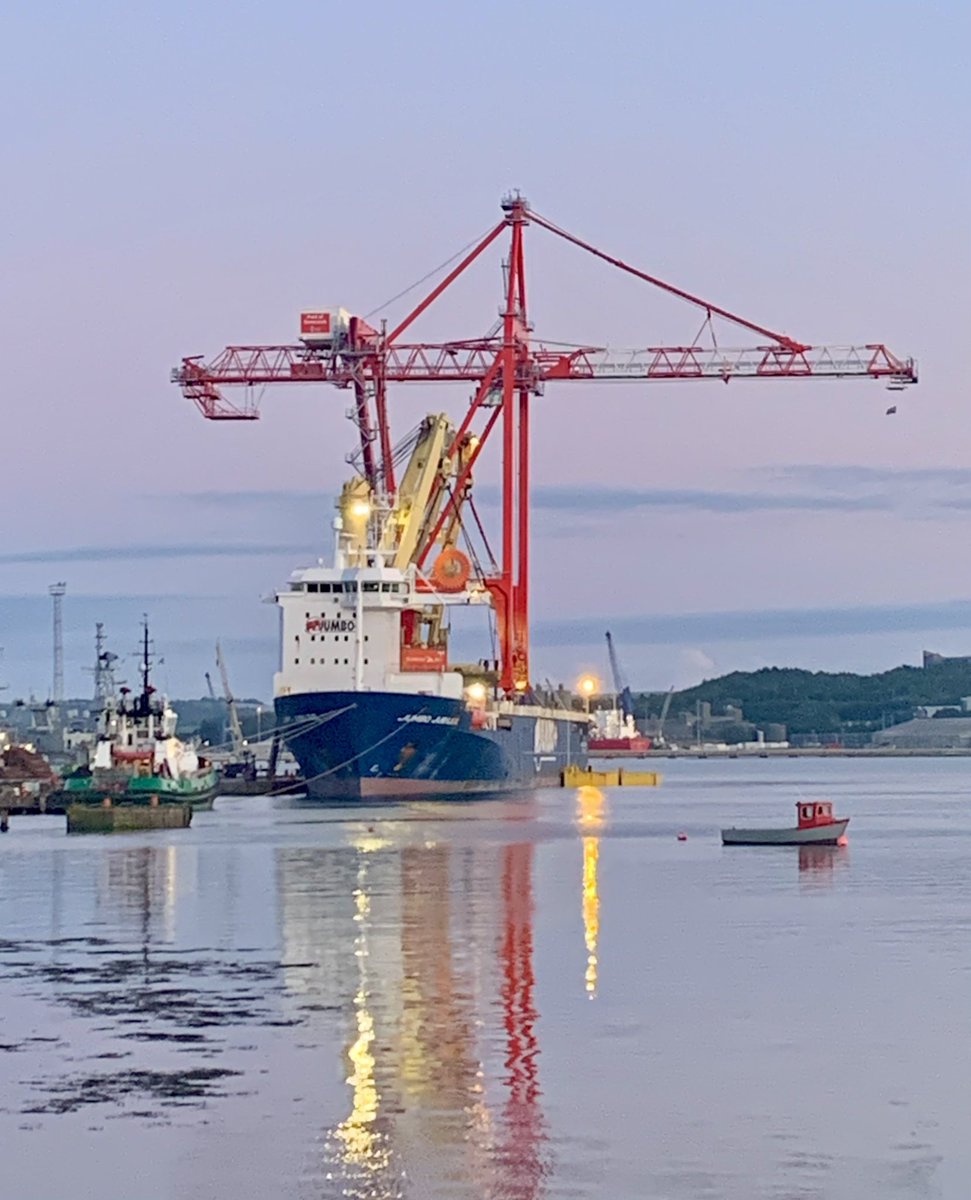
x,y
476,692
360,508
587,687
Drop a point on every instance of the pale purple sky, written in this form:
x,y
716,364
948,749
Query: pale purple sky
x,y
182,176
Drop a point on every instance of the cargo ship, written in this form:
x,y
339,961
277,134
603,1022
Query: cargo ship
x,y
367,697
615,733
371,709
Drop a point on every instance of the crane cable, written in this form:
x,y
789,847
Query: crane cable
x,y
424,279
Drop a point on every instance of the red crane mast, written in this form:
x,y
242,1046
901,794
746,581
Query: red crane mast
x,y
507,369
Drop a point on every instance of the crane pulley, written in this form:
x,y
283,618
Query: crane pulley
x,y
507,369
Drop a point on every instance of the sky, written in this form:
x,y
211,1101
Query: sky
x,y
184,176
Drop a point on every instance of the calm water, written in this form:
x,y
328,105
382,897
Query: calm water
x,y
544,998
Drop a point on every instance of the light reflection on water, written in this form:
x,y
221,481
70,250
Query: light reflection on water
x,y
541,998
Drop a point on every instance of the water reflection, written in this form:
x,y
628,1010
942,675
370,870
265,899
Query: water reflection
x,y
817,864
425,949
139,887
591,807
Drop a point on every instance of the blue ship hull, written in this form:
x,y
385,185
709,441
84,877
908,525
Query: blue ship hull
x,y
392,745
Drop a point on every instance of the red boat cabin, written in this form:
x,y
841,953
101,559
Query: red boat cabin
x,y
813,813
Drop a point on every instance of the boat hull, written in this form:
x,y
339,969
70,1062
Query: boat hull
x,y
354,746
618,746
818,835
123,787
127,818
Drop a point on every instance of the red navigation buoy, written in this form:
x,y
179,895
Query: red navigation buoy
x,y
682,837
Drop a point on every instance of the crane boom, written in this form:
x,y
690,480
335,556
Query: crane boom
x,y
456,362
624,698
235,729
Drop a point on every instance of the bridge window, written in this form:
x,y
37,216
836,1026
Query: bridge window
x,y
313,587
325,587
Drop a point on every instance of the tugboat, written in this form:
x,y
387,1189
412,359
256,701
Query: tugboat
x,y
139,775
816,827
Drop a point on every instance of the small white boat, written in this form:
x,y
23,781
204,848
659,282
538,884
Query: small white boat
x,y
817,827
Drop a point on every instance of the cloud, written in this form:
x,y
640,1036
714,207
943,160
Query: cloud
x,y
605,501
822,475
244,496
149,551
833,489
693,661
753,624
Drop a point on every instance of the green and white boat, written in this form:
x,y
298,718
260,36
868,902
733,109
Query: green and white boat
x,y
138,762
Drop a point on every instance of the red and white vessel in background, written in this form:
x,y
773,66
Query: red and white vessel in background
x,y
614,731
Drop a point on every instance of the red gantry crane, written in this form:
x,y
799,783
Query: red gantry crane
x,y
507,368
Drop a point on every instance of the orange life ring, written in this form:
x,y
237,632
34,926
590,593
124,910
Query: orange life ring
x,y
451,571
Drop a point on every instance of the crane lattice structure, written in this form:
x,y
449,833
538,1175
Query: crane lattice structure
x,y
508,369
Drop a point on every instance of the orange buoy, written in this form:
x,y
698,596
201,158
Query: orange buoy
x,y
451,570
843,841
682,837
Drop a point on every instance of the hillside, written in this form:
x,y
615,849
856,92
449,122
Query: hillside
x,y
818,701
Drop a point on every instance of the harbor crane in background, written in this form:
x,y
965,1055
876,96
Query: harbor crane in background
x,y
507,369
621,686
235,729
659,739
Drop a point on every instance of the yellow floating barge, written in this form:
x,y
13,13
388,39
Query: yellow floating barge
x,y
573,777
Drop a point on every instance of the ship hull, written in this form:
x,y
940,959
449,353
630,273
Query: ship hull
x,y
813,835
121,787
354,746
